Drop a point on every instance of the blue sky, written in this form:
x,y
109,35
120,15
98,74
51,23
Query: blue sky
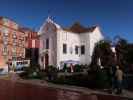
x,y
115,17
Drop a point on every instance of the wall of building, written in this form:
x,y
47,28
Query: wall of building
x,y
12,41
49,32
71,40
85,40
32,46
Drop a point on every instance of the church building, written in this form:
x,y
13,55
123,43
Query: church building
x,y
72,45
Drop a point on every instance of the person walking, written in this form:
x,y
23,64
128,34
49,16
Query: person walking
x,y
113,78
71,66
119,78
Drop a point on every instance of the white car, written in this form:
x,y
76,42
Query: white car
x,y
4,70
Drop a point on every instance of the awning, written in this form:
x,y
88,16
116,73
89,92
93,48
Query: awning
x,y
70,62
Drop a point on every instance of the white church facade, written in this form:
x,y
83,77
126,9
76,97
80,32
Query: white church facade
x,y
61,46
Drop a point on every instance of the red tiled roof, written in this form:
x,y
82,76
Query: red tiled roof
x,y
78,28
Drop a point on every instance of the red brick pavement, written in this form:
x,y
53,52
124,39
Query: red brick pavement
x,y
10,90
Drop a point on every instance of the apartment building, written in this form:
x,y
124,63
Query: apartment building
x,y
12,41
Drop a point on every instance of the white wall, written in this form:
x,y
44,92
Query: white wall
x,y
84,39
49,33
58,37
71,39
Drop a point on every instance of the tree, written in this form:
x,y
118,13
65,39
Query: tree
x,y
121,51
124,52
103,51
123,58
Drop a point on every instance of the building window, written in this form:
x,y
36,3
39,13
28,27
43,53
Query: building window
x,y
47,43
5,30
5,40
76,49
20,43
14,36
64,48
22,38
14,42
14,52
5,50
42,59
5,34
82,49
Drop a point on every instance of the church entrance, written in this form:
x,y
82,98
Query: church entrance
x,y
46,60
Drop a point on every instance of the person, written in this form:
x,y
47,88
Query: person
x,y
119,78
65,67
112,71
71,66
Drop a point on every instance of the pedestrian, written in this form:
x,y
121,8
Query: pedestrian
x,y
119,78
113,78
71,66
65,67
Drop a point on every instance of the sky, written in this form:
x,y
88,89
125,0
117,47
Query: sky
x,y
115,17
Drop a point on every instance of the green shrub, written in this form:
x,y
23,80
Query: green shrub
x,y
102,79
68,69
77,80
31,72
51,72
64,68
78,68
